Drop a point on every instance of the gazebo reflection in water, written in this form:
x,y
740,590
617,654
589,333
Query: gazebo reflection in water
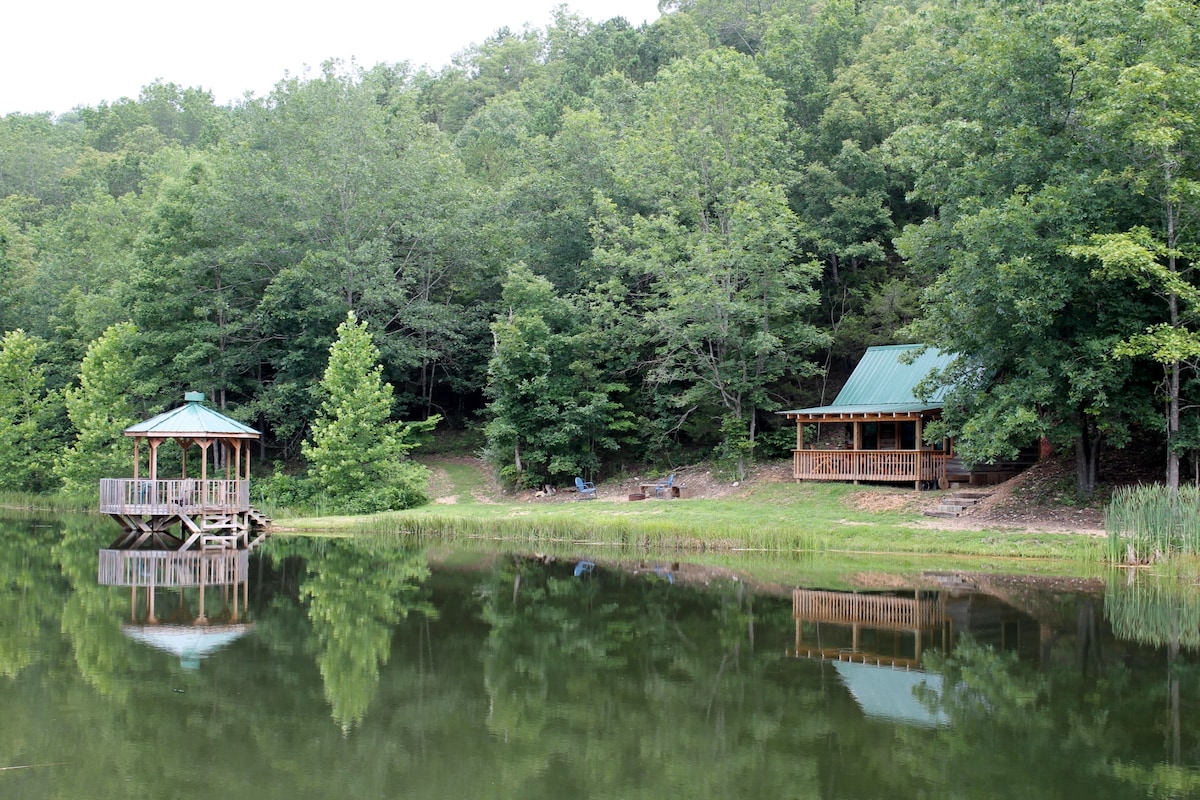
x,y
186,602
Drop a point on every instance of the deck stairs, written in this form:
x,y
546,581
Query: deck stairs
x,y
957,503
258,519
260,524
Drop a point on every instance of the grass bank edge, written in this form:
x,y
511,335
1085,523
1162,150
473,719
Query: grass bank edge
x,y
777,518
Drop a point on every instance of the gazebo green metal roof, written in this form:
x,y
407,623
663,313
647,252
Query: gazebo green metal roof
x,y
192,420
884,383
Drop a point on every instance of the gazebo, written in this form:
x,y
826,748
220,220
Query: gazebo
x,y
211,510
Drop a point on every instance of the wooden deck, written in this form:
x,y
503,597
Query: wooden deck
x,y
180,496
885,466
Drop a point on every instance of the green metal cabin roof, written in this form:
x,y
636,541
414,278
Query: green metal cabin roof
x,y
882,383
893,694
192,420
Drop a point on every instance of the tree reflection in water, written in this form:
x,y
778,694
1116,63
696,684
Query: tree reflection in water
x,y
615,683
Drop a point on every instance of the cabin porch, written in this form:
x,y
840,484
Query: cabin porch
x,y
920,467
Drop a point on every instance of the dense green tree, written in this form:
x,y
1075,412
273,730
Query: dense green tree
x,y
27,413
16,266
1142,81
107,399
1013,189
37,157
554,409
706,157
343,199
357,454
194,309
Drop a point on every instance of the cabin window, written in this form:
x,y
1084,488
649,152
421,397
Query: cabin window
x,y
908,435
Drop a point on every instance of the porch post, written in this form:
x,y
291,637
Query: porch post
x,y
920,451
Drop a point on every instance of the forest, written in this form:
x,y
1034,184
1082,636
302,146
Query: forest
x,y
594,245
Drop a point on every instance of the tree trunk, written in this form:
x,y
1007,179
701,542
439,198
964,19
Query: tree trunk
x,y
1087,459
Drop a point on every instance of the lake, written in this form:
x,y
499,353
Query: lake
x,y
380,668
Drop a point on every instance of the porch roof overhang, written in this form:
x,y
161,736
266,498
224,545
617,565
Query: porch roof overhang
x,y
884,386
865,413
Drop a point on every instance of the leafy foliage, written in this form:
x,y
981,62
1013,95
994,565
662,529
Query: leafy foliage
x,y
27,416
726,205
103,404
357,455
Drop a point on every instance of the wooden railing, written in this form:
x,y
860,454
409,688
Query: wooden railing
x,y
877,611
172,568
869,465
179,496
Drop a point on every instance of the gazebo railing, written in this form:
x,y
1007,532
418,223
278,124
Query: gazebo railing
x,y
177,496
172,568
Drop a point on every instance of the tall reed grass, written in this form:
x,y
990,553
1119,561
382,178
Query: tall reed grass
x,y
1150,523
628,532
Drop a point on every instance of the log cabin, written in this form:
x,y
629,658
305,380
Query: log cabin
x,y
874,429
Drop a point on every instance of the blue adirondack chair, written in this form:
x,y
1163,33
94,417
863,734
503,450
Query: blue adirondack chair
x,y
587,489
665,488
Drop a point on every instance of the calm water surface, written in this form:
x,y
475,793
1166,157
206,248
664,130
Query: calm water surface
x,y
376,669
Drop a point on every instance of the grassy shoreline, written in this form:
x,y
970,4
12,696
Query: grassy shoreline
x,y
772,518
779,518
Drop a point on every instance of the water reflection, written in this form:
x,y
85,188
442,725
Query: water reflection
x,y
875,642
355,592
207,596
380,668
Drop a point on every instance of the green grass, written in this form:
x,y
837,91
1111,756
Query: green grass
x,y
778,517
57,503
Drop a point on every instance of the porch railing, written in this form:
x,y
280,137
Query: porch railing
x,y
178,496
872,610
869,465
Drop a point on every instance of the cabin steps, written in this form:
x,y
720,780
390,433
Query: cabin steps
x,y
956,504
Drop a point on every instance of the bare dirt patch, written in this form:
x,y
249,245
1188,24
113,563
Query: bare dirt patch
x,y
1042,498
884,500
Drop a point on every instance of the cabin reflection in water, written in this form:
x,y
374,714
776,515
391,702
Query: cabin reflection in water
x,y
876,641
187,602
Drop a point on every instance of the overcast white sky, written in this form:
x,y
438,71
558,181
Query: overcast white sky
x,y
59,54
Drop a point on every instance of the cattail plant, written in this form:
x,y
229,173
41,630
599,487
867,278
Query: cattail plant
x,y
1151,523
